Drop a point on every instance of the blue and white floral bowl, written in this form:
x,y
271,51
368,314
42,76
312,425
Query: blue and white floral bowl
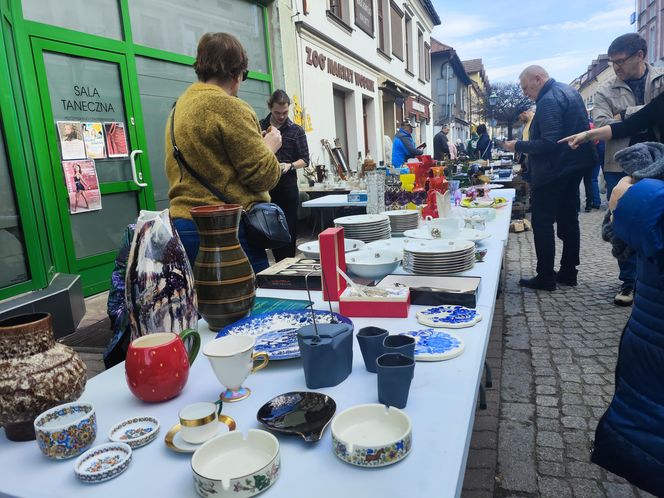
x,y
371,435
103,462
67,430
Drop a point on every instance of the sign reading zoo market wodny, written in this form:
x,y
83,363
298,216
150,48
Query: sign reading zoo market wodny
x,y
337,69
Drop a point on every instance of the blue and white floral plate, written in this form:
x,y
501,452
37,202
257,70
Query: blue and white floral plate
x,y
449,316
435,345
276,331
135,431
103,462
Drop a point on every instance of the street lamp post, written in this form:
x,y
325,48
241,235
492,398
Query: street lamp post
x,y
493,100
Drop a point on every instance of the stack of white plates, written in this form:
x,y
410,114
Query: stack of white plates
x,y
365,227
402,220
438,257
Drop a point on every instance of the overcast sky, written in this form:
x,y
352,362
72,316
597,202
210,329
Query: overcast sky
x,y
564,36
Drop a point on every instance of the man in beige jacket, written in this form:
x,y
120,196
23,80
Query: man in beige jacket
x,y
635,84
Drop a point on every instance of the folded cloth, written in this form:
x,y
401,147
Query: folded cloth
x,y
644,160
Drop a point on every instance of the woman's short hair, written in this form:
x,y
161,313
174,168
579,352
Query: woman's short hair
x,y
481,129
278,97
221,56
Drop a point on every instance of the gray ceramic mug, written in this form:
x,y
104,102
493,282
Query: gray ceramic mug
x,y
395,372
403,344
371,345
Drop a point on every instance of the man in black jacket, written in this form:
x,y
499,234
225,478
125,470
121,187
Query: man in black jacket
x,y
440,143
555,173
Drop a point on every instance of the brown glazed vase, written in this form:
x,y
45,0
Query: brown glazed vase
x,y
36,373
225,281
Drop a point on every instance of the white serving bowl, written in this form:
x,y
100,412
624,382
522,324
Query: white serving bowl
x,y
311,249
373,263
372,435
233,464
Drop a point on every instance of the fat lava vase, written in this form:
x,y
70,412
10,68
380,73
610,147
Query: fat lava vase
x,y
36,373
225,281
159,283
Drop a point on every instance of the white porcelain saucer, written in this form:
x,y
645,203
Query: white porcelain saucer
x,y
175,442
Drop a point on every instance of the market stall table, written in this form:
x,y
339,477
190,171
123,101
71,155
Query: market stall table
x,y
441,407
331,202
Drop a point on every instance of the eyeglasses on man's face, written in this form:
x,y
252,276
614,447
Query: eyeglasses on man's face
x,y
621,62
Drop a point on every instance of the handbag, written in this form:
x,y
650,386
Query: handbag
x,y
265,224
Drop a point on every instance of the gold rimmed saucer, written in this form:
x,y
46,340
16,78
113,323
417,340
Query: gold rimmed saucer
x,y
179,445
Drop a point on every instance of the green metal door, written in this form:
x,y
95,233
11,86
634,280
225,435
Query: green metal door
x,y
94,153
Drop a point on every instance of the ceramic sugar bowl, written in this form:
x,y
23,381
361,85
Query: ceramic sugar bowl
x,y
67,430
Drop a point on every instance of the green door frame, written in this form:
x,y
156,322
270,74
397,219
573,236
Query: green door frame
x,y
16,155
95,270
42,219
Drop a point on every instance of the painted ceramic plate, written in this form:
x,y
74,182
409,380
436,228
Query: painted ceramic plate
x,y
435,345
103,462
312,249
136,431
276,332
174,441
496,202
449,316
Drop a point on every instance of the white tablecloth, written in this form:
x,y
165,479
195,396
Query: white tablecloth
x,y
441,406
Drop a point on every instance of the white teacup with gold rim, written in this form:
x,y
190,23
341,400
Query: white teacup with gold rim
x,y
199,422
232,359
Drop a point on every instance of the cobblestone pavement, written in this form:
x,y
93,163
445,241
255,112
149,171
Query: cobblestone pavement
x,y
559,355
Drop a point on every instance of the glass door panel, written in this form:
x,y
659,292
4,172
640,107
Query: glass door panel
x,y
89,124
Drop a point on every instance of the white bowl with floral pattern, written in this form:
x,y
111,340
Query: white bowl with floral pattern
x,y
236,465
67,430
371,435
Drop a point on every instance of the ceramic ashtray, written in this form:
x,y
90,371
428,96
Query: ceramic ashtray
x,y
235,465
103,462
303,413
135,432
67,430
372,435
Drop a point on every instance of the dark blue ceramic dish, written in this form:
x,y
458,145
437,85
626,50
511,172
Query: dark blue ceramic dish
x,y
303,413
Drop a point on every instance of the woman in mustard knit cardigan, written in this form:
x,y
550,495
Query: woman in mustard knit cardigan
x,y
220,138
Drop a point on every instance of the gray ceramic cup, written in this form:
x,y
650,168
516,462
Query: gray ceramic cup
x,y
371,345
395,371
403,344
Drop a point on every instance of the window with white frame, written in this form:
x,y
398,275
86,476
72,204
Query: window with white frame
x,y
420,51
341,9
652,43
427,62
384,25
409,44
396,25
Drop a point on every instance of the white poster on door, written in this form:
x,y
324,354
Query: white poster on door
x,y
71,139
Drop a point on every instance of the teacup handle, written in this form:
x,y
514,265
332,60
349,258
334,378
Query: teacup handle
x,y
258,356
195,343
225,419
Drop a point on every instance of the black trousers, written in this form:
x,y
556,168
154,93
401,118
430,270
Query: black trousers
x,y
557,203
287,196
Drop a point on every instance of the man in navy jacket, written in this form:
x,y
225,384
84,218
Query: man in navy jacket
x,y
555,174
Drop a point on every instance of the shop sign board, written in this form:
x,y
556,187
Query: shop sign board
x,y
364,16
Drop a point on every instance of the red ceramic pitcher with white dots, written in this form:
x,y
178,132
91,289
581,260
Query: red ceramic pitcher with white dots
x,y
157,365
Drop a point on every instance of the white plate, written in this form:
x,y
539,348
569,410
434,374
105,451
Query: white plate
x,y
400,213
442,246
174,441
103,462
361,219
312,249
136,431
464,234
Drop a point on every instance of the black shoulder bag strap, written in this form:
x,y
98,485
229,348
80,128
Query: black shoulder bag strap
x,y
179,157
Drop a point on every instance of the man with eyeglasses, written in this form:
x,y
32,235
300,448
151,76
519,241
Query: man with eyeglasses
x,y
635,84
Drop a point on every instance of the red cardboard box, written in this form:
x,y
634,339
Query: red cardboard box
x,y
332,255
380,307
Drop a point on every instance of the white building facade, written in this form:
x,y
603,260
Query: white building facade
x,y
363,66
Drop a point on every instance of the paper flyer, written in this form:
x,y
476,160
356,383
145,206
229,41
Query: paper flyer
x,y
116,139
82,185
93,136
71,139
